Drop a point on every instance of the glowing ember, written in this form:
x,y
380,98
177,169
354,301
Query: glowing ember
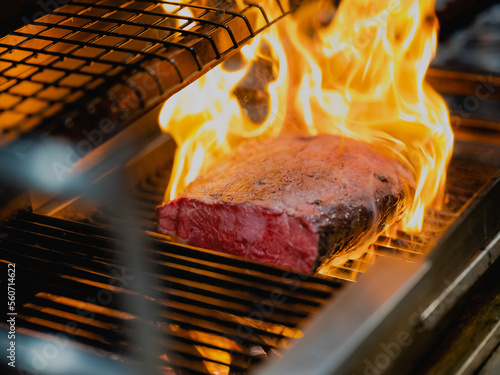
x,y
357,71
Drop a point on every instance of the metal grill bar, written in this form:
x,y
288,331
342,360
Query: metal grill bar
x,y
184,18
136,36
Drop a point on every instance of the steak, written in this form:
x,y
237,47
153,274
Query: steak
x,y
292,201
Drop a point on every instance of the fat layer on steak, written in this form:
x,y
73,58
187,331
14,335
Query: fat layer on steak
x,y
291,201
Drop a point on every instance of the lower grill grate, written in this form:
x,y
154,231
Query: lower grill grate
x,y
463,181
215,310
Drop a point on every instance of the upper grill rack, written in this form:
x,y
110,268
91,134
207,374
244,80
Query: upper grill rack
x,y
133,52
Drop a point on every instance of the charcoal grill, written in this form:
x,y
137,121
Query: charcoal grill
x,y
184,310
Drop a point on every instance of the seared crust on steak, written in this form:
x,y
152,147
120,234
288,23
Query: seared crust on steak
x,y
292,201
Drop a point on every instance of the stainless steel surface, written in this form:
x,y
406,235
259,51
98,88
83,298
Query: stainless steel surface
x,y
482,352
433,314
492,366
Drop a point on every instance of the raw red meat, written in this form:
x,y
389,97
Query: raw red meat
x,y
291,201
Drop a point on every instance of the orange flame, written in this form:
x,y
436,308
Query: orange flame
x,y
179,10
358,71
214,123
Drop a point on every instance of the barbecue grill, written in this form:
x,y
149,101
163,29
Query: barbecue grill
x,y
84,164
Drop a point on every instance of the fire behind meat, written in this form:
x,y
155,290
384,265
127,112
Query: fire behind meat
x,y
299,202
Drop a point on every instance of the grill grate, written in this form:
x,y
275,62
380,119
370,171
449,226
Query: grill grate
x,y
213,307
460,188
133,52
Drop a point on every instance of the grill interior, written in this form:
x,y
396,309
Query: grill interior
x,y
213,313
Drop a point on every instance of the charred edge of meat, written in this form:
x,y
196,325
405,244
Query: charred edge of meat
x,y
350,224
